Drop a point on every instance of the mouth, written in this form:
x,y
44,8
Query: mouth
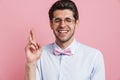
x,y
63,31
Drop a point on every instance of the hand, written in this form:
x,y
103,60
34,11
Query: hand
x,y
32,50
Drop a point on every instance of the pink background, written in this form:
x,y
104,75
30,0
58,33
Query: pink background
x,y
99,27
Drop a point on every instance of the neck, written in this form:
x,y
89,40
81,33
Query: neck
x,y
64,45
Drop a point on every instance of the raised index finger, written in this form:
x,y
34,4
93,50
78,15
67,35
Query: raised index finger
x,y
31,36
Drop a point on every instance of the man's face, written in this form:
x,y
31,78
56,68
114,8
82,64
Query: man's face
x,y
63,25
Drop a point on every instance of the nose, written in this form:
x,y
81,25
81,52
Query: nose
x,y
62,24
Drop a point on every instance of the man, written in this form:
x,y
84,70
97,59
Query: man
x,y
66,58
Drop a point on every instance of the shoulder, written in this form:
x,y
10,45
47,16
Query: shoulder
x,y
48,48
90,53
88,50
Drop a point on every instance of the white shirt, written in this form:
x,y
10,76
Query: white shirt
x,y
85,63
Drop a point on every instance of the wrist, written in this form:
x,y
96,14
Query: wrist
x,y
30,71
30,65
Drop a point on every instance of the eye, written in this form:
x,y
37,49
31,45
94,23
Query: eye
x,y
68,20
56,20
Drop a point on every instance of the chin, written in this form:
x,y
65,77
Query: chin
x,y
64,40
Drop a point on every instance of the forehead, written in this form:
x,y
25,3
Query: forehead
x,y
63,13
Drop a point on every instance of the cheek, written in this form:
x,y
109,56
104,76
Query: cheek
x,y
73,28
53,28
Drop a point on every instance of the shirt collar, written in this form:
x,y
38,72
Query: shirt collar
x,y
72,46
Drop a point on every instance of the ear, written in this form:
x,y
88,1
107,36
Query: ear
x,y
51,24
77,22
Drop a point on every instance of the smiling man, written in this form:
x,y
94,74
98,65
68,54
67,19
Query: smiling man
x,y
63,25
66,58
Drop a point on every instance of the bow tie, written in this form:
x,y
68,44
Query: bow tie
x,y
58,52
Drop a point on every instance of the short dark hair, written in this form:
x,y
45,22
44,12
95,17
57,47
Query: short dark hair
x,y
64,4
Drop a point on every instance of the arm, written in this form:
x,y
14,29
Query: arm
x,y
33,51
30,71
98,72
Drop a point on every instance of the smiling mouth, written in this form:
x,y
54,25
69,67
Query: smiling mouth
x,y
63,31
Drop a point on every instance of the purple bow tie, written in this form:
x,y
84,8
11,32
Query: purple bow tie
x,y
65,52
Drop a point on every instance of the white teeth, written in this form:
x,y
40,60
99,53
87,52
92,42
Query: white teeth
x,y
62,31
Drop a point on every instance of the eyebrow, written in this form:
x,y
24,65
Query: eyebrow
x,y
61,18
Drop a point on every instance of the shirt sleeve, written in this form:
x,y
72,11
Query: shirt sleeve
x,y
98,72
38,71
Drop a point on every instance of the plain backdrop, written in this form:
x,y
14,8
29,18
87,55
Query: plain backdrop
x,y
99,27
